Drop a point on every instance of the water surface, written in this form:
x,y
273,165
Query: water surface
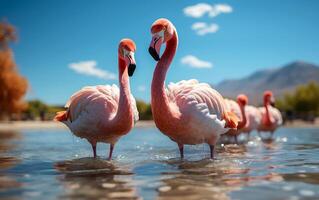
x,y
54,164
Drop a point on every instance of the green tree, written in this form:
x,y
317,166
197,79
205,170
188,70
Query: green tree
x,y
144,109
38,110
302,102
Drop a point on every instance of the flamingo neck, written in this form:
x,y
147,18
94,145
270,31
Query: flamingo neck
x,y
243,122
160,104
267,119
124,113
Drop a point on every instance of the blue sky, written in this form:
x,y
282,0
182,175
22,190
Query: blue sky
x,y
218,40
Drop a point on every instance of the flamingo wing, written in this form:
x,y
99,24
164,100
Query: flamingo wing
x,y
90,107
200,101
253,116
81,100
233,106
277,116
134,109
274,113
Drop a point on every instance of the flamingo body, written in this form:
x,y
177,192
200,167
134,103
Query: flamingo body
x,y
271,117
254,117
275,118
188,112
104,113
91,110
200,111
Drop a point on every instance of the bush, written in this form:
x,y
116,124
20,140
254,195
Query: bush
x,y
38,110
302,103
144,109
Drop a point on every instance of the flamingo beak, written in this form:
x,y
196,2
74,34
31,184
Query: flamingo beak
x,y
155,46
130,61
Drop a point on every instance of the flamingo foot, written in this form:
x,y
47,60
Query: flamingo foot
x,y
181,150
111,151
212,147
268,137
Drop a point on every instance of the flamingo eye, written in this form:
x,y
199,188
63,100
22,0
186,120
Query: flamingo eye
x,y
159,34
125,52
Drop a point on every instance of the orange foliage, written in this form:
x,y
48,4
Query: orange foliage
x,y
13,86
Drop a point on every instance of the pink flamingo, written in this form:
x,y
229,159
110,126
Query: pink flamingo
x,y
104,113
239,109
188,112
271,117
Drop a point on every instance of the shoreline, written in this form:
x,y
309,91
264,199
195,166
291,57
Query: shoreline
x,y
301,124
33,125
27,125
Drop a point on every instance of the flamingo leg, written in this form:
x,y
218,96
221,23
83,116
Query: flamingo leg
x,y
94,149
111,151
181,150
236,139
259,134
271,135
212,147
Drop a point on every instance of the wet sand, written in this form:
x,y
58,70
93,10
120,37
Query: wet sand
x,y
22,125
302,124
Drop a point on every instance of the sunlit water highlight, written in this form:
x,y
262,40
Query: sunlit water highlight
x,y
51,164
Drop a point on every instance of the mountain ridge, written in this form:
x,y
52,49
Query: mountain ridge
x,y
279,80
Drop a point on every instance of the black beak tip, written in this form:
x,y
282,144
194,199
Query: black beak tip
x,y
131,69
153,53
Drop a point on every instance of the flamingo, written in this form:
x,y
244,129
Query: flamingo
x,y
188,112
271,117
104,113
239,109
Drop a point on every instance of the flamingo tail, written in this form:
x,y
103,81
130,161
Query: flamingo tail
x,y
61,116
231,120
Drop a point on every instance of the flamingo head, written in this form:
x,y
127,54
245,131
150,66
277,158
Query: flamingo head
x,y
242,100
269,97
162,31
126,52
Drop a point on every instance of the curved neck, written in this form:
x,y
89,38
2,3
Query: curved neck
x,y
159,99
124,112
268,119
243,122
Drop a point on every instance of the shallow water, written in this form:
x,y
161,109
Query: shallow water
x,y
51,164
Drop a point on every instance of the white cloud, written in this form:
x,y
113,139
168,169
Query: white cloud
x,y
199,25
141,88
197,10
89,68
201,9
203,28
195,62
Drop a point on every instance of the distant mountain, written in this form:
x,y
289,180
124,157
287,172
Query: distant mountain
x,y
278,80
